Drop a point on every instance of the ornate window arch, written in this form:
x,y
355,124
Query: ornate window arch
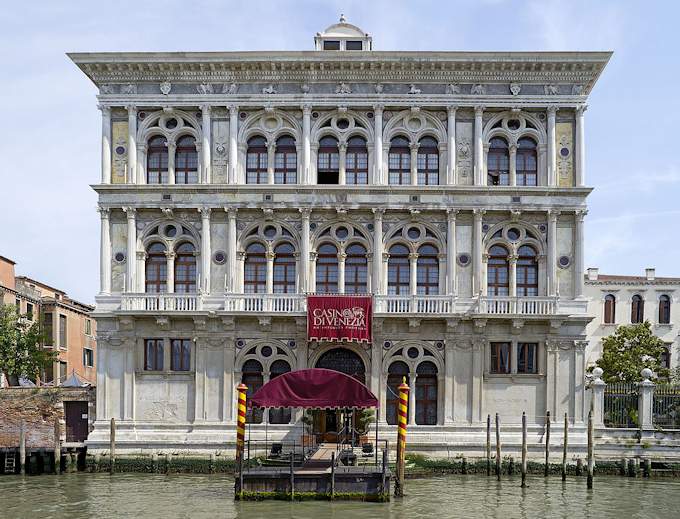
x,y
498,163
327,268
664,309
328,161
637,309
609,309
527,162
284,268
279,415
428,161
397,371
398,270
527,271
155,270
256,160
399,161
185,268
428,270
356,162
252,376
346,269
427,393
498,271
157,160
285,161
255,269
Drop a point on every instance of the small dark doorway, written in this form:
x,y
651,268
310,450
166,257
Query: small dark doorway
x,y
76,421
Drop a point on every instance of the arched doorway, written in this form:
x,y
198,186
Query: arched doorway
x,y
327,424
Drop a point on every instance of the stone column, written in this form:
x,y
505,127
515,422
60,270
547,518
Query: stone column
x,y
231,249
311,287
414,163
306,143
132,146
170,267
451,169
551,375
205,146
477,380
413,271
552,252
106,144
342,164
513,165
552,158
306,242
512,278
451,251
341,272
579,380
271,152
579,243
376,282
378,145
597,387
645,397
233,144
172,147
131,253
270,271
479,147
205,250
105,252
477,251
580,165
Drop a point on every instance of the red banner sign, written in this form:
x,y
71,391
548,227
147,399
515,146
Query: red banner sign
x,y
339,318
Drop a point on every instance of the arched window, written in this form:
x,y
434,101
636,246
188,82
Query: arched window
x,y
526,162
328,161
398,271
664,309
637,310
284,269
527,271
185,269
186,161
498,282
285,161
157,160
256,161
255,269
345,361
279,415
426,394
395,376
327,269
156,269
428,162
498,163
251,376
356,162
399,161
609,309
428,270
356,269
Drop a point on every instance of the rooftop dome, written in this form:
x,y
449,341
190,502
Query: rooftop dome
x,y
343,36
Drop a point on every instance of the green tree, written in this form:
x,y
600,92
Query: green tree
x,y
630,349
21,350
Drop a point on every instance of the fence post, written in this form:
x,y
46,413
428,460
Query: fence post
x,y
597,386
645,397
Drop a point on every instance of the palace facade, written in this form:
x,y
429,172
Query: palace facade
x,y
450,186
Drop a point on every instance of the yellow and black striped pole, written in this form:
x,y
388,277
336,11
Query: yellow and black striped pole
x,y
241,422
402,420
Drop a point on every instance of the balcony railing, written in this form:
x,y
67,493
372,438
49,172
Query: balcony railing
x,y
161,302
508,305
275,303
418,304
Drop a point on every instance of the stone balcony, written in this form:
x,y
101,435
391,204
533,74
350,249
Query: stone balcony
x,y
384,305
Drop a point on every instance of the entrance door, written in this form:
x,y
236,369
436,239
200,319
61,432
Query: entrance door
x,y
76,421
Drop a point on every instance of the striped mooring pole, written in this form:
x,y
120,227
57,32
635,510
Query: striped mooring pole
x,y
241,423
401,438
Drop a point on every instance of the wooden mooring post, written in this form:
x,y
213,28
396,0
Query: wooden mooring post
x,y
57,447
546,470
292,475
401,438
488,445
524,449
498,447
112,446
22,450
565,440
591,461
333,475
240,437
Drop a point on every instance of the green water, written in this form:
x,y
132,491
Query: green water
x,y
101,496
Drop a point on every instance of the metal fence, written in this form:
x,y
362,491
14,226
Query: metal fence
x,y
621,405
666,406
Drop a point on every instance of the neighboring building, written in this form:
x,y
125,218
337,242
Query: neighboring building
x,y
449,185
623,300
67,324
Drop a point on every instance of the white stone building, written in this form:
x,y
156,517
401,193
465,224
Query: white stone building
x,y
449,185
624,300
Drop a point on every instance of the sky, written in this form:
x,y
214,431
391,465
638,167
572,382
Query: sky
x,y
50,137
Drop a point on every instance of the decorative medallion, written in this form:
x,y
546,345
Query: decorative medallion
x,y
165,87
515,88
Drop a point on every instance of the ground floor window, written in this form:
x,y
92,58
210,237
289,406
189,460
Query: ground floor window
x,y
500,357
153,355
426,394
395,376
180,360
527,357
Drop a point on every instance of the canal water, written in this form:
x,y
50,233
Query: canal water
x,y
76,496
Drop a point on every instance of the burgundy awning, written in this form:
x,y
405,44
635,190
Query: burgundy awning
x,y
314,388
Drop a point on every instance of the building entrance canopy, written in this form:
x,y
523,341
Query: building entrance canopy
x,y
314,388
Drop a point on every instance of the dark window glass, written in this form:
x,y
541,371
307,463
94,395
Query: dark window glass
x,y
180,359
156,269
498,282
526,163
256,161
428,270
48,329
498,163
356,270
637,310
157,160
255,269
395,376
356,161
284,269
428,162
279,415
398,271
328,161
186,161
527,271
251,376
185,269
88,358
426,394
327,269
63,343
609,309
353,45
500,357
153,355
527,357
399,162
345,361
331,45
285,161
664,309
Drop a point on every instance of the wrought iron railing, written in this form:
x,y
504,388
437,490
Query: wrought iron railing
x,y
666,406
621,405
